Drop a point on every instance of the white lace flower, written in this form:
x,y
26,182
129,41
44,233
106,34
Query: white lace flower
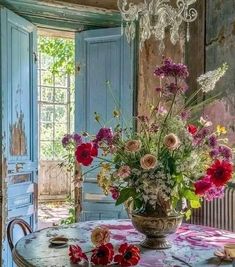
x,y
208,80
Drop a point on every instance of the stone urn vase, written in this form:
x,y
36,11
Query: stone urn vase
x,y
156,228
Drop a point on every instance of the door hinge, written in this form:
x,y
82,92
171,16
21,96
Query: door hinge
x,y
35,57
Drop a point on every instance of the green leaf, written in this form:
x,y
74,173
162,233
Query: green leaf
x,y
188,214
195,204
125,194
190,195
138,203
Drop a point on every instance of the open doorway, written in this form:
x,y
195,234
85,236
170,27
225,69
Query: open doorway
x,y
56,89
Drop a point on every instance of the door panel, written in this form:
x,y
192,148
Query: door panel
x,y
104,82
19,123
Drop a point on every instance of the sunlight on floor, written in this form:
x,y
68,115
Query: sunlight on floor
x,y
51,214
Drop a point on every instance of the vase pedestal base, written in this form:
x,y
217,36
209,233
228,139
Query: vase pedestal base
x,y
156,243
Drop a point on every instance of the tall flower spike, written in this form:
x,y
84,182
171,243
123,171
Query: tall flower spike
x,y
208,80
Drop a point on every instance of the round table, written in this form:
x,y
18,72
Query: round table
x,y
192,243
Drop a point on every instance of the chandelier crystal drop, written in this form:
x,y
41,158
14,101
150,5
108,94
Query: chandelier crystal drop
x,y
154,17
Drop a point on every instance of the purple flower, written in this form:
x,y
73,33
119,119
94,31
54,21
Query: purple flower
x,y
225,152
143,118
184,115
212,140
154,128
214,153
214,192
104,134
171,69
77,139
204,132
66,139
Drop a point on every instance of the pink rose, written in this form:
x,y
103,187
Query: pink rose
x,y
148,162
133,146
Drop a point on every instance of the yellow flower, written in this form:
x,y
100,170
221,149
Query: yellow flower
x,y
100,235
221,130
106,167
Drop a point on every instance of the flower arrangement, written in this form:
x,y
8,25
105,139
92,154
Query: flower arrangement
x,y
104,254
172,161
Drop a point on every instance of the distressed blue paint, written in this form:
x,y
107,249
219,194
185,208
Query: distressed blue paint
x,y
63,15
19,114
102,55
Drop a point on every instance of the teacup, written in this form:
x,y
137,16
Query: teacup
x,y
229,250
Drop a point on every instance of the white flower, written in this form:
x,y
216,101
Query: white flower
x,y
204,122
208,80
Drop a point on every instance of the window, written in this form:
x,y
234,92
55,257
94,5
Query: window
x,y
56,106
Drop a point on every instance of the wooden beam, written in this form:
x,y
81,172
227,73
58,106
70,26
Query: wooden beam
x,y
60,13
56,33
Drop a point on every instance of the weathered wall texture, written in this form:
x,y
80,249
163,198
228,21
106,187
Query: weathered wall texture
x,y
150,57
220,48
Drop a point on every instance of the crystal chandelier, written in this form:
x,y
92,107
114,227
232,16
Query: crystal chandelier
x,y
154,17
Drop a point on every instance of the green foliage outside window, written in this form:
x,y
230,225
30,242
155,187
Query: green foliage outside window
x,y
56,94
62,51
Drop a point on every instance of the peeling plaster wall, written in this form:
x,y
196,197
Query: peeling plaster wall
x,y
220,48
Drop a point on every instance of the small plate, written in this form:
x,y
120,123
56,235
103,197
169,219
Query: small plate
x,y
58,241
221,255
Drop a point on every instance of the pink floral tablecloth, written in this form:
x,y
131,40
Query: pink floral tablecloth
x,y
192,243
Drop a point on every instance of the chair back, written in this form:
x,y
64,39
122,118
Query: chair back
x,y
24,226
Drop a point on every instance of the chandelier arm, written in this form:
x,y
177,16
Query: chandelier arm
x,y
155,16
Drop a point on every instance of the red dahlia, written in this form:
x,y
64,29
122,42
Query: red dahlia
x,y
85,153
202,186
192,129
76,254
103,255
220,172
129,255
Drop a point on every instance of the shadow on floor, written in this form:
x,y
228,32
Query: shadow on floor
x,y
51,214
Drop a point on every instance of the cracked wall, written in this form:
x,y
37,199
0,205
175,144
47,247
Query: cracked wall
x,y
220,48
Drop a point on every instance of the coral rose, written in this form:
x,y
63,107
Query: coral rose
x,y
100,235
148,162
171,141
133,146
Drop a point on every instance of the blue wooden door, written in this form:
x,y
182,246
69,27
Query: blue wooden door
x,y
18,124
102,56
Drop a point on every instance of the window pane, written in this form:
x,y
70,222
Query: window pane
x,y
59,150
47,94
60,114
60,131
61,95
46,61
46,131
47,112
46,150
61,80
46,78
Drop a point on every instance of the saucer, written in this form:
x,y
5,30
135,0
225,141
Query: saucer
x,y
58,241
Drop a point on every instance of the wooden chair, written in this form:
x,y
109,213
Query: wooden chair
x,y
25,227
